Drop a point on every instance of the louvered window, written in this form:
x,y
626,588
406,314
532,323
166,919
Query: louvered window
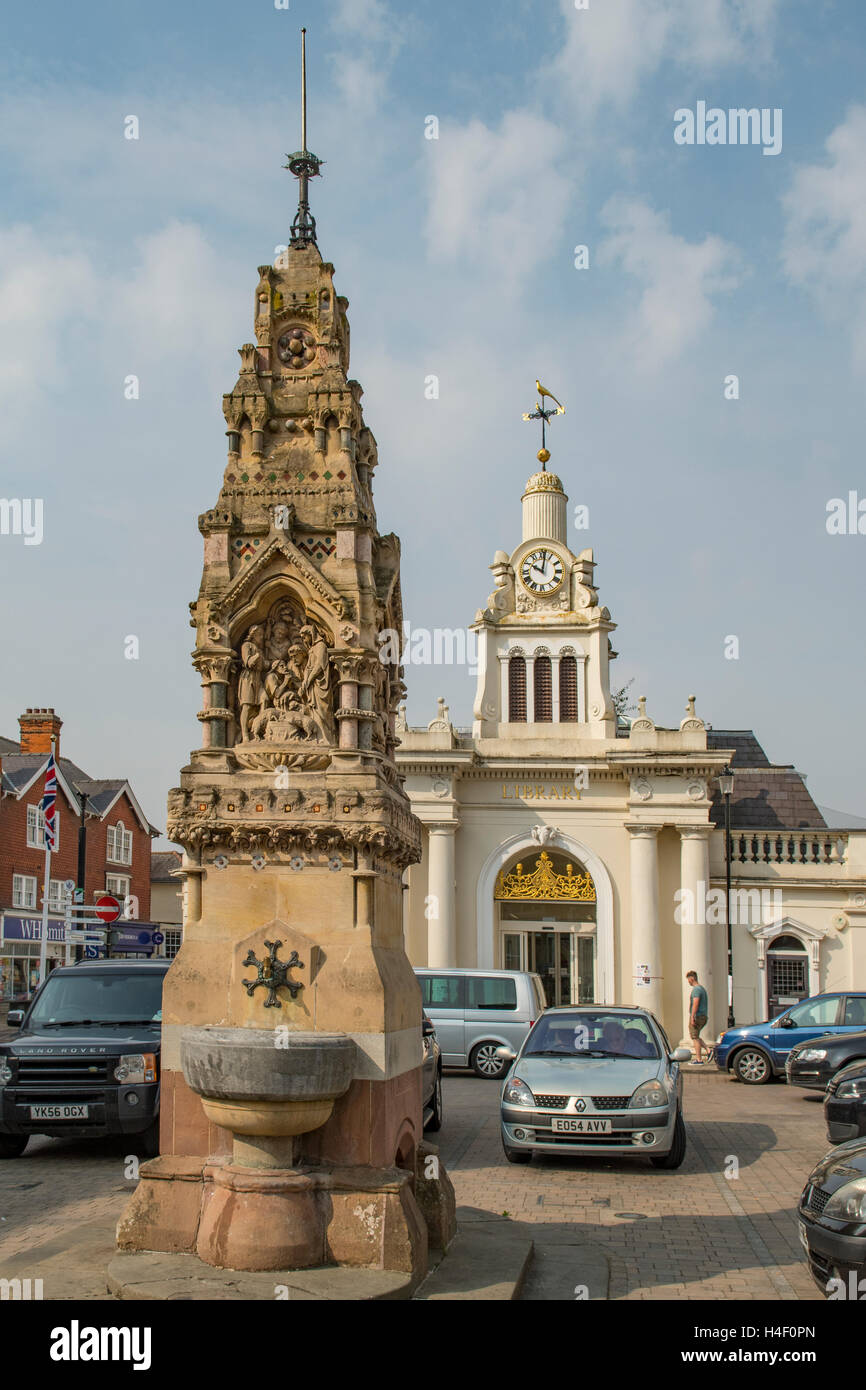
x,y
567,689
543,696
517,690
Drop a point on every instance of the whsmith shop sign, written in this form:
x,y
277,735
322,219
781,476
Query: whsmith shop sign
x,y
135,936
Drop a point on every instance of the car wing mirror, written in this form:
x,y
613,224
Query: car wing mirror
x,y
14,1018
505,1054
681,1054
785,1022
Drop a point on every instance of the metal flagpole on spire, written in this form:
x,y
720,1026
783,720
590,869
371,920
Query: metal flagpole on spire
x,y
305,166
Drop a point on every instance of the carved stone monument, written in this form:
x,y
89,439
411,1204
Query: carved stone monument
x,y
291,1098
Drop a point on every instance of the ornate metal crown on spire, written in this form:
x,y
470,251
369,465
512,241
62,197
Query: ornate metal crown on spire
x,y
305,166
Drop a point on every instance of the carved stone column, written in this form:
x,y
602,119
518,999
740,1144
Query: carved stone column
x,y
215,716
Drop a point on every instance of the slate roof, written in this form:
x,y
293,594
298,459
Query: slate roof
x,y
18,769
766,796
162,863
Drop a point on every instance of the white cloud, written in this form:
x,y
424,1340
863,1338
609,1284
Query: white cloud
x,y
482,208
153,309
42,288
679,278
612,47
824,248
171,299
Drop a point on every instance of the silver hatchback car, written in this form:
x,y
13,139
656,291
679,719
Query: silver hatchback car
x,y
596,1079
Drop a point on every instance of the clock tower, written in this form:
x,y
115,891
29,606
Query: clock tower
x,y
543,643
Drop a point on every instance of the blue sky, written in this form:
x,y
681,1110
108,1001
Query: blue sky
x,y
707,516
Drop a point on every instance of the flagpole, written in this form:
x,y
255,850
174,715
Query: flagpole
x,y
46,889
43,944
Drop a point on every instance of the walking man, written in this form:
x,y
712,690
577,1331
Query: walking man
x,y
698,1013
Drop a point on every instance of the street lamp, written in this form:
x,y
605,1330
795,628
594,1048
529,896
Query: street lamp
x,y
726,786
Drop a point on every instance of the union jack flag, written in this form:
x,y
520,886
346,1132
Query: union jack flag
x,y
49,805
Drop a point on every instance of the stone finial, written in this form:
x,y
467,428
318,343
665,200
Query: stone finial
x,y
442,722
692,721
643,723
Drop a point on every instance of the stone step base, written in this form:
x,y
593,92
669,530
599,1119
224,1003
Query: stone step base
x,y
157,1277
486,1261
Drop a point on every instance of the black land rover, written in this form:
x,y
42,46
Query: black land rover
x,y
86,1061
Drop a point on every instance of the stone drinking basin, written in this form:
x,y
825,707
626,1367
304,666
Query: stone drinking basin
x,y
254,1088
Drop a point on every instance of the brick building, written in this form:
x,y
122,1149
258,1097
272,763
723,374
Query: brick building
x,y
118,850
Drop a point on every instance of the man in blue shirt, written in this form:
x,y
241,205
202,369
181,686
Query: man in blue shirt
x,y
698,1013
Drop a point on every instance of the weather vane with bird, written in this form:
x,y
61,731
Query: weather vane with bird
x,y
542,414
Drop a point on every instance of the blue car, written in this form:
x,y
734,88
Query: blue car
x,y
757,1052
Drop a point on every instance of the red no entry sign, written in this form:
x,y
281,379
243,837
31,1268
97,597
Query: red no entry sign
x,y
107,908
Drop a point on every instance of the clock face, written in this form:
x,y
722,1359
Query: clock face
x,y
541,571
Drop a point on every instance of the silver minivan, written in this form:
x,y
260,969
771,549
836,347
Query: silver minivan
x,y
475,1012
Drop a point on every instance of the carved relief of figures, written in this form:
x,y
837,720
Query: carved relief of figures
x,y
250,684
284,692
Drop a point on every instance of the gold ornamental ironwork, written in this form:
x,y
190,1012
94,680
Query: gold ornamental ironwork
x,y
544,884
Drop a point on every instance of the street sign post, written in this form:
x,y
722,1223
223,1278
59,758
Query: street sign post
x,y
107,908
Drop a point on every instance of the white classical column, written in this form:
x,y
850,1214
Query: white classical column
x,y
645,923
441,904
504,692
581,689
554,688
694,928
530,690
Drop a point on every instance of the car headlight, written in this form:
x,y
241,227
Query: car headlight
x,y
5,1073
846,1090
651,1093
517,1092
136,1067
810,1054
849,1203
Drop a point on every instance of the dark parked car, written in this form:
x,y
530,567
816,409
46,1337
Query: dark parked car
x,y
845,1104
812,1064
757,1052
832,1215
86,1061
432,1073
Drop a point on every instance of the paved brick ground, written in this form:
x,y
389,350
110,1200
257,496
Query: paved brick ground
x,y
692,1234
688,1234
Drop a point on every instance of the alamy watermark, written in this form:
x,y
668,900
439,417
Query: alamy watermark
x,y
22,516
736,126
706,906
422,646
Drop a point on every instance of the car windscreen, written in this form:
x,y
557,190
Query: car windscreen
x,y
117,997
592,1034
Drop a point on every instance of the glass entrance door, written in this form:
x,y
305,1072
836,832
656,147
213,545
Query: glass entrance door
x,y
564,959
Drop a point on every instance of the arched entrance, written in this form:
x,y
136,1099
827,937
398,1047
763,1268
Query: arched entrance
x,y
547,905
547,911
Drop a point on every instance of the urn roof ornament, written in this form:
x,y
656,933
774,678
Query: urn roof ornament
x,y
305,166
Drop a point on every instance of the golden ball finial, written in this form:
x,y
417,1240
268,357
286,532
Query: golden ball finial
x,y
543,455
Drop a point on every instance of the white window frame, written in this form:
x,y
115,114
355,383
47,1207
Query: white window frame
x,y
20,891
121,885
118,844
56,894
36,826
